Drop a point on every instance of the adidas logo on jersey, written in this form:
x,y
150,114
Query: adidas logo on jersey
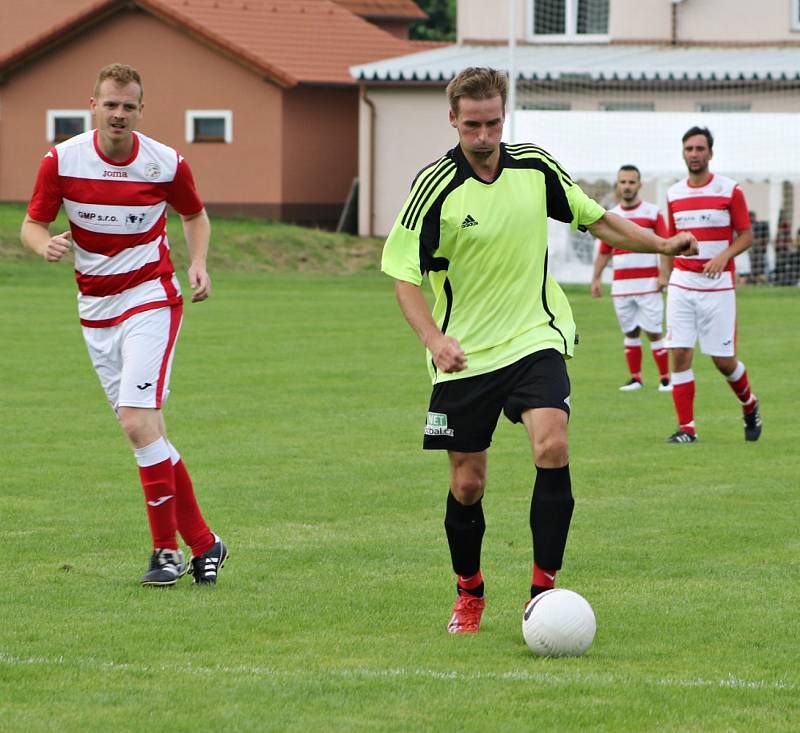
x,y
469,222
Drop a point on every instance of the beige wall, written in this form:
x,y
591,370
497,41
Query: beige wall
x,y
179,74
411,130
698,20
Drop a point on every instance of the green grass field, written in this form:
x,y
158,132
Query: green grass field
x,y
298,402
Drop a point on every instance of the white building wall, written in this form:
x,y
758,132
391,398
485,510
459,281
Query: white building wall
x,y
650,20
411,130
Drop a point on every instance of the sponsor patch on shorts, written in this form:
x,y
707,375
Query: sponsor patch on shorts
x,y
436,424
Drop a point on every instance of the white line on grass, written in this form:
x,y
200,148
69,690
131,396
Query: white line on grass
x,y
90,663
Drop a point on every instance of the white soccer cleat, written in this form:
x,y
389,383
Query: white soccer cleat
x,y
665,387
631,386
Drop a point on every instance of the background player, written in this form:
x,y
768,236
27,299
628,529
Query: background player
x,y
701,300
115,184
476,223
638,282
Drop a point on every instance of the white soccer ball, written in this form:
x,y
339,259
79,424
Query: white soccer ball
x,y
558,623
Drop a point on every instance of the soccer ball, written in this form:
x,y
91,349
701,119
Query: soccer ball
x,y
558,623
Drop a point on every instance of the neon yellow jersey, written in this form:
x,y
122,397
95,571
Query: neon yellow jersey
x,y
484,249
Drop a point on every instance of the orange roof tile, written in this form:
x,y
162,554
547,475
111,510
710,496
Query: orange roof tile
x,y
290,41
396,9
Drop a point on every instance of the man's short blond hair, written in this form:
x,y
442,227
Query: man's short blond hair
x,y
477,82
121,75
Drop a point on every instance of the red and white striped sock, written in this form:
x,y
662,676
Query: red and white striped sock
x,y
741,388
683,397
189,518
633,355
158,482
661,357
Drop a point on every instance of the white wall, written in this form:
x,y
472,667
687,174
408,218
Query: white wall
x,y
697,20
411,130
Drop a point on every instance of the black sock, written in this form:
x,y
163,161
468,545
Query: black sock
x,y
551,511
465,527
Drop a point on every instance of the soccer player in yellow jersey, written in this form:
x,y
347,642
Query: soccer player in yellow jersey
x,y
501,328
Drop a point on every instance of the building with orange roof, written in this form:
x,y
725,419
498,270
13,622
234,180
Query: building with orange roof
x,y
256,94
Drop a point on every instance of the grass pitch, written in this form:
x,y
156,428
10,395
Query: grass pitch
x,y
298,403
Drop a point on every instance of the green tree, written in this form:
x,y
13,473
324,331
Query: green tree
x,y
441,22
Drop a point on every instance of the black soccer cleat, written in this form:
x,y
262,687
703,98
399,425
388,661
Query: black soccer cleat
x,y
206,567
682,436
752,424
166,568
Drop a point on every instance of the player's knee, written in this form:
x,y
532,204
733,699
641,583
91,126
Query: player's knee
x,y
468,486
551,451
138,425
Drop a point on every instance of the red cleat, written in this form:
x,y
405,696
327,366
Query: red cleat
x,y
467,612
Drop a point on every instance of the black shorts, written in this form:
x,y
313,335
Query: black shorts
x,y
463,413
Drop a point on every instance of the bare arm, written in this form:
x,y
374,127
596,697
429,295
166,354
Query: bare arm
x,y
600,263
197,231
716,265
664,271
35,236
619,232
446,351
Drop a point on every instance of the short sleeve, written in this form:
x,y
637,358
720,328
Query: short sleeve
x,y
400,258
46,198
660,227
408,251
671,228
183,196
740,214
585,211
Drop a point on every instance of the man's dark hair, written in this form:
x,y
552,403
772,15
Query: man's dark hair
x,y
699,131
630,167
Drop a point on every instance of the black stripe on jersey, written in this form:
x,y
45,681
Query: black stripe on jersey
x,y
552,322
424,172
432,185
445,168
430,230
557,202
530,148
448,291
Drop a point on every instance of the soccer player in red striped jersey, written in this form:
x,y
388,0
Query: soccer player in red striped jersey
x,y
638,281
115,184
701,299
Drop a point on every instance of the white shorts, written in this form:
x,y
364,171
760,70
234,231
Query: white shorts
x,y
134,359
645,311
709,315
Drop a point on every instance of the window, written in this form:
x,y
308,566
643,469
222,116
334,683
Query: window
x,y
62,124
795,19
573,20
209,126
722,107
627,106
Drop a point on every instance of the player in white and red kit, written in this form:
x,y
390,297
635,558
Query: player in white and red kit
x,y
637,284
701,300
115,184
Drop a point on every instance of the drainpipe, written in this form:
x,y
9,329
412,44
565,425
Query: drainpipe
x,y
674,38
371,195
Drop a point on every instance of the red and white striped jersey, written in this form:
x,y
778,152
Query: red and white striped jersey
x,y
712,213
636,273
117,214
